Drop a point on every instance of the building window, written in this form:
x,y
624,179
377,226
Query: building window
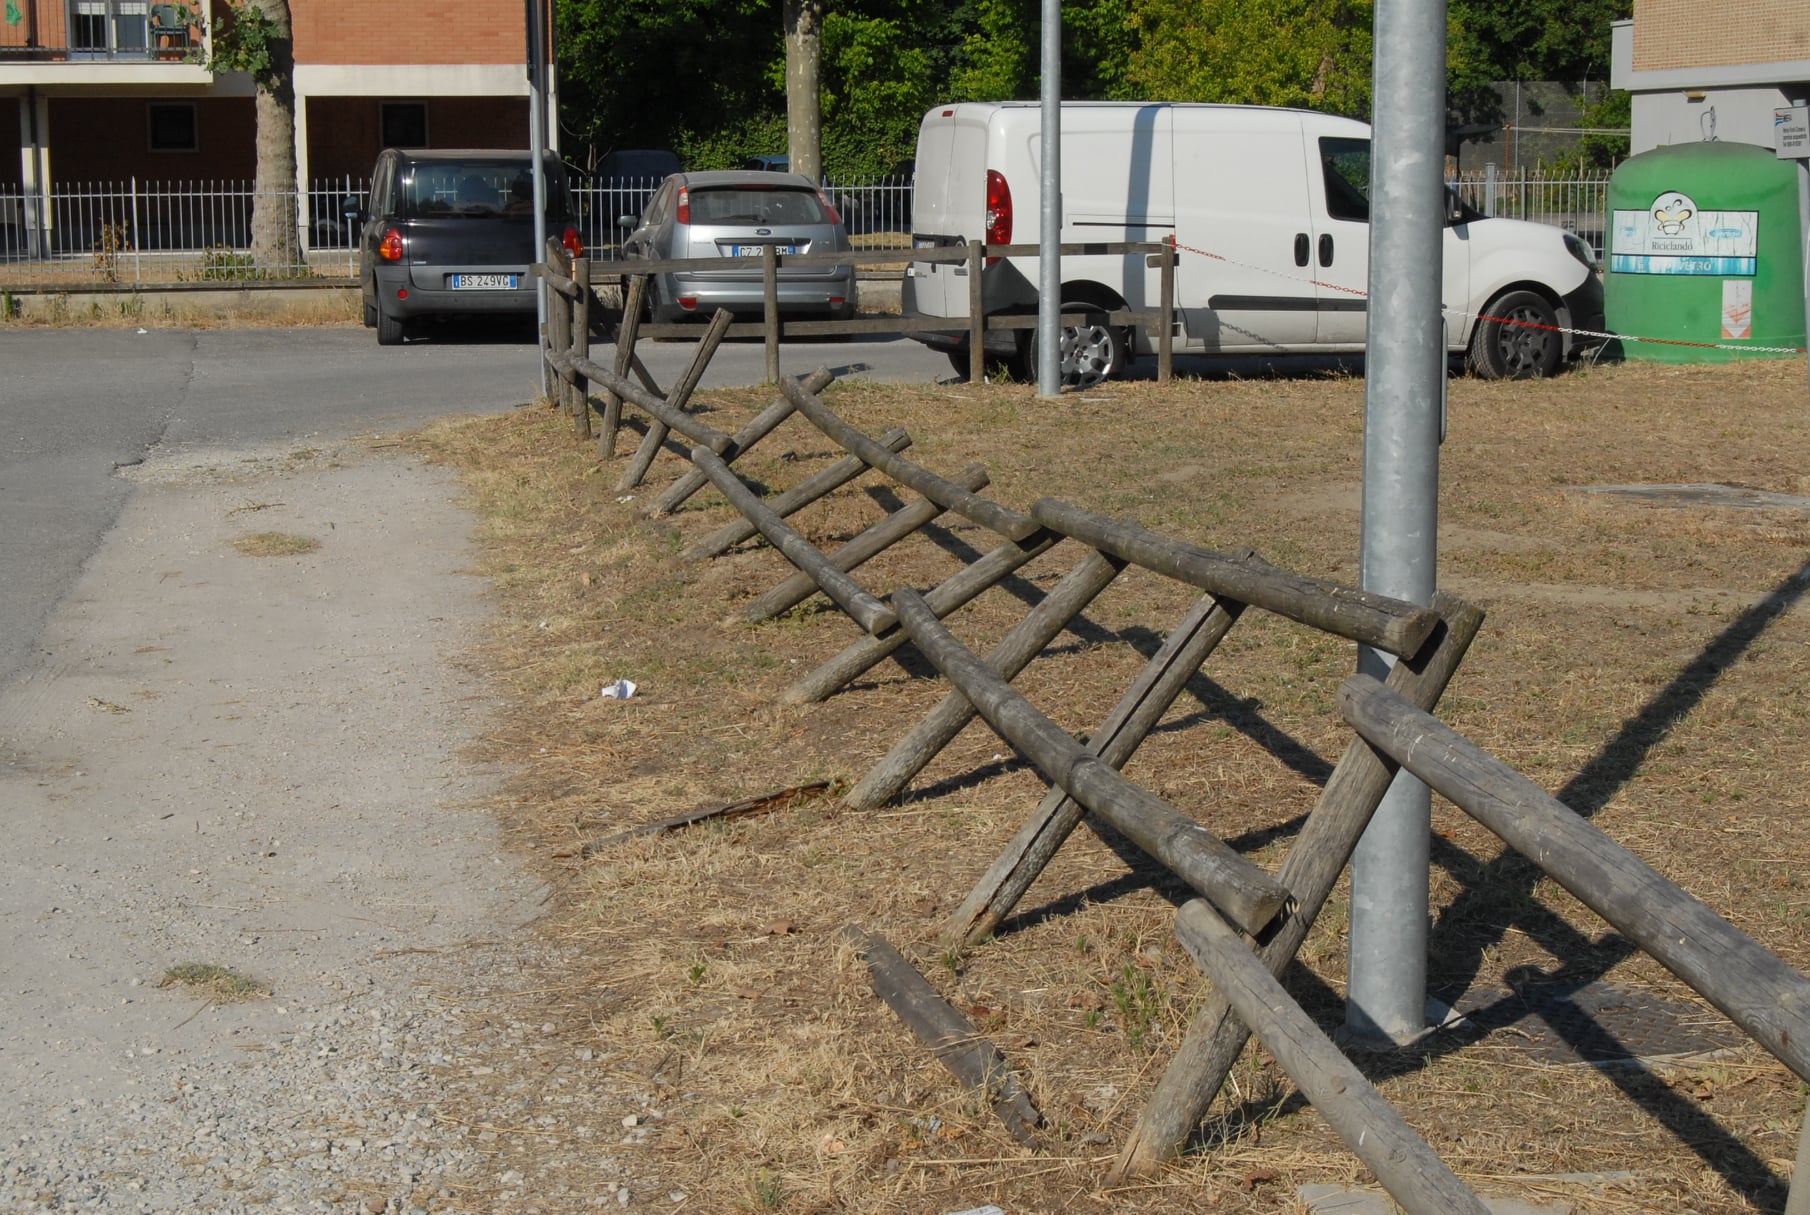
x,y
404,124
172,127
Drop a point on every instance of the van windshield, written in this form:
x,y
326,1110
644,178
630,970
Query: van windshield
x,y
475,189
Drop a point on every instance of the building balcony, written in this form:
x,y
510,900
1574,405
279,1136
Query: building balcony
x,y
124,32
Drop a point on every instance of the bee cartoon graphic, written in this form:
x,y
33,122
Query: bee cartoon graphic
x,y
1670,211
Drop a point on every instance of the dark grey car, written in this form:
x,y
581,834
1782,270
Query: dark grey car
x,y
735,215
450,233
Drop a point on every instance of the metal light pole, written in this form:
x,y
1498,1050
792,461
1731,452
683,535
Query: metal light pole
x,y
1404,376
537,144
1049,236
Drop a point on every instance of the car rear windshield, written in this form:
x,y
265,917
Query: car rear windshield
x,y
756,205
476,189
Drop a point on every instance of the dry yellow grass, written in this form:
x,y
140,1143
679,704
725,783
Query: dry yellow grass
x,y
1648,660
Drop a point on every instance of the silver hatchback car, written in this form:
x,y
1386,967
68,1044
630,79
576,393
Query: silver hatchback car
x,y
737,214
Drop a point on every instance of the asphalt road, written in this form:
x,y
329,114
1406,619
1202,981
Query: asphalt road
x,y
77,404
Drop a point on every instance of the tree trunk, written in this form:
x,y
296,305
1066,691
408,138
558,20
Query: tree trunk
x,y
275,237
804,96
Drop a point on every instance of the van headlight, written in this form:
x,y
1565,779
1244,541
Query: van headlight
x,y
1580,248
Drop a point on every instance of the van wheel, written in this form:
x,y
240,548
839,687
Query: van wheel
x,y
1091,351
370,315
1516,338
390,329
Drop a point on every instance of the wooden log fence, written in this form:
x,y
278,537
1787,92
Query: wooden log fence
x,y
1392,727
571,282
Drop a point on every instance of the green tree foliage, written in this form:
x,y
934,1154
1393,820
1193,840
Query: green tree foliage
x,y
706,77
1312,53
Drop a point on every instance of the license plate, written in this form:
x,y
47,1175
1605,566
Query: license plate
x,y
755,250
483,282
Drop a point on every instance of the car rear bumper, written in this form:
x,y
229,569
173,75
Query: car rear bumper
x,y
401,292
834,296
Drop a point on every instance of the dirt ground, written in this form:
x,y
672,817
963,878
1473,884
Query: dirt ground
x,y
1644,657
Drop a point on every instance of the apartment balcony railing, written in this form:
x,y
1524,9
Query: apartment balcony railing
x,y
107,31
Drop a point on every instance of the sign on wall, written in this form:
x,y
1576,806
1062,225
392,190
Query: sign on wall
x,y
1675,236
1791,132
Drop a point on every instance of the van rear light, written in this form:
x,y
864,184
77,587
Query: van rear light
x,y
829,206
684,215
999,211
573,243
390,247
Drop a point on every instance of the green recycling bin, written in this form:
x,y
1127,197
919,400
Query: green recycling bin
x,y
1705,254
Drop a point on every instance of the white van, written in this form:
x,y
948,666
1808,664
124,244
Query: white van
x,y
1270,210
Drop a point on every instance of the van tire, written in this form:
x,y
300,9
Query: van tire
x,y
1091,351
1530,349
390,329
370,315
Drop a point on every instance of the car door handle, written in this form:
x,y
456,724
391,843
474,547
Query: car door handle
x,y
1300,248
1326,248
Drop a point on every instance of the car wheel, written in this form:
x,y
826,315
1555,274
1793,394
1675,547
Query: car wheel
x,y
1091,351
1516,338
370,315
390,329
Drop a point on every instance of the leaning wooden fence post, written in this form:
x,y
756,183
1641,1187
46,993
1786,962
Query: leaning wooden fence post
x,y
581,344
678,398
1250,897
862,548
1409,1169
1119,736
948,595
769,276
1066,600
758,428
1797,1202
977,319
1311,869
634,300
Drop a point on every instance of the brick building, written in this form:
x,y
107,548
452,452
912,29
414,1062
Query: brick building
x,y
110,90
1701,72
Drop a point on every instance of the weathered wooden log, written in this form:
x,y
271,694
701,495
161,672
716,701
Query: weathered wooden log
x,y
945,597
1410,1170
766,803
626,331
1251,897
758,428
676,400
1311,869
950,1036
1375,620
862,548
1053,612
581,345
819,484
863,608
1748,982
1119,736
991,515
654,405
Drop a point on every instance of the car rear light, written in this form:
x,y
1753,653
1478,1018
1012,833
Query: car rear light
x,y
390,247
684,215
574,243
829,206
688,302
999,211
402,293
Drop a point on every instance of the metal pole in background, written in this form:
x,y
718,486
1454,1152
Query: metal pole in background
x,y
1803,226
537,143
1404,375
1049,236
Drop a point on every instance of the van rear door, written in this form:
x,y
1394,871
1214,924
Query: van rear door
x,y
948,205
